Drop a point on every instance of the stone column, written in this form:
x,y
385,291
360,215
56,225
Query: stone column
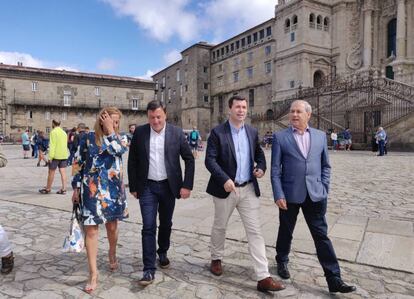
x,y
410,29
401,30
367,54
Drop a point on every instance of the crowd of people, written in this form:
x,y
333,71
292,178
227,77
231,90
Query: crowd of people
x,y
236,163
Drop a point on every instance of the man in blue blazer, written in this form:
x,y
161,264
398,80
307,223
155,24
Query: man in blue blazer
x,y
300,177
156,179
235,160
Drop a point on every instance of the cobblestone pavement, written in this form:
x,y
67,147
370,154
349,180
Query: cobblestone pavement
x,y
370,216
43,271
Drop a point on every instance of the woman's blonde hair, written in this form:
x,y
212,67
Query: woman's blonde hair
x,y
98,127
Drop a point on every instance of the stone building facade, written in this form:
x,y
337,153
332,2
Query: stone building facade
x,y
184,87
243,65
307,44
320,38
31,97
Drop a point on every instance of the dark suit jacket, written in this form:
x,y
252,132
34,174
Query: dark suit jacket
x,y
174,147
221,158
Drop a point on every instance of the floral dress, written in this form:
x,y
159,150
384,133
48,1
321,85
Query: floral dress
x,y
98,171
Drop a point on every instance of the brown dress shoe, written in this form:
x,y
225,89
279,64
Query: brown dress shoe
x,y
269,284
216,267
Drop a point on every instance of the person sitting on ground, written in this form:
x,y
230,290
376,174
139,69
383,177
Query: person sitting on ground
x,y
6,253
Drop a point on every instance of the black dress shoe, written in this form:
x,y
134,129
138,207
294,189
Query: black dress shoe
x,y
164,261
283,271
341,287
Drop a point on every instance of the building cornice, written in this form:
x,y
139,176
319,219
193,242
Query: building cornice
x,y
40,74
302,51
270,22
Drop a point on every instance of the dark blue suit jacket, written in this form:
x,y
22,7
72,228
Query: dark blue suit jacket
x,y
294,176
221,158
175,146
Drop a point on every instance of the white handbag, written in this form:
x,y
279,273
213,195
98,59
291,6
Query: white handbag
x,y
75,241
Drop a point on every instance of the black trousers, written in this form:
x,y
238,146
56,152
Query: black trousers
x,y
314,213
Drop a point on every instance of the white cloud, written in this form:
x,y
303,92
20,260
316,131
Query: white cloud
x,y
147,75
15,57
28,60
161,18
164,19
172,57
66,68
107,64
226,18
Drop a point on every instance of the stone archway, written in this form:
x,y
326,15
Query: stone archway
x,y
318,78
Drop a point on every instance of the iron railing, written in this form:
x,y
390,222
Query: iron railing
x,y
361,103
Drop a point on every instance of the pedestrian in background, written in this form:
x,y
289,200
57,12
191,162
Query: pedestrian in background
x,y
58,157
26,144
334,138
381,137
42,145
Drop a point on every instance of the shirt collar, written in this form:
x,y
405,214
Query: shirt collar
x,y
294,130
162,132
234,129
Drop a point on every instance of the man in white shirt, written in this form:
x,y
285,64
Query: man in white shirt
x,y
155,178
334,138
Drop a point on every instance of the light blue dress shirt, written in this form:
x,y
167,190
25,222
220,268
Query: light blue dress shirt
x,y
242,149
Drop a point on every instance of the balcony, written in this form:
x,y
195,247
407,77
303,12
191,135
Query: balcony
x,y
88,104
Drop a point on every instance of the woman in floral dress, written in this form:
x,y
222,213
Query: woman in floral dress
x,y
98,176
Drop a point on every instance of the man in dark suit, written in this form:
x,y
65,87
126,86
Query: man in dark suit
x,y
300,179
155,178
232,150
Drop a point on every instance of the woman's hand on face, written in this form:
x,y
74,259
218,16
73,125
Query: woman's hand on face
x,y
107,123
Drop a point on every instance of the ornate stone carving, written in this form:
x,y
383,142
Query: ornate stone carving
x,y
354,57
389,8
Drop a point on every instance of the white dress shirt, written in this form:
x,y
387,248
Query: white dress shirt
x,y
302,140
157,171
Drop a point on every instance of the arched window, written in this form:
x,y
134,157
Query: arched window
x,y
312,20
392,37
319,22
287,25
326,24
294,22
269,114
318,79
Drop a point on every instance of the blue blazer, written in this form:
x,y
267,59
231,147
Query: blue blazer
x,y
293,176
221,158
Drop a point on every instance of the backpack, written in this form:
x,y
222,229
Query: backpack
x,y
194,136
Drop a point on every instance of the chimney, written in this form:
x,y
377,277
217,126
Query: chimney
x,y
19,63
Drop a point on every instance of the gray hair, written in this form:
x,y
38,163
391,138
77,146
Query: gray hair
x,y
308,107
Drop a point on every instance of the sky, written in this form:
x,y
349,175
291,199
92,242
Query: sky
x,y
135,38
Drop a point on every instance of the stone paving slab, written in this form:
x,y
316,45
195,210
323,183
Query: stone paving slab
x,y
359,203
390,251
392,227
46,272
